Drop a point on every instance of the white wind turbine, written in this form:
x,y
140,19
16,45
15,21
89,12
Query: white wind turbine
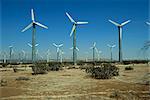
x,y
57,49
61,55
30,45
10,53
120,36
76,52
98,53
94,48
48,55
23,55
73,31
111,48
33,24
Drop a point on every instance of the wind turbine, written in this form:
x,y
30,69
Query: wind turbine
x,y
10,53
57,49
3,56
48,55
98,54
33,24
111,47
23,55
76,52
120,36
94,48
61,55
35,51
73,31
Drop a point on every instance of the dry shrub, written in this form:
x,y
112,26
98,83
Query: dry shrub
x,y
105,71
128,68
22,78
55,66
3,82
39,68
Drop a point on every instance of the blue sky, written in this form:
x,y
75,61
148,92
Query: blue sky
x,y
15,15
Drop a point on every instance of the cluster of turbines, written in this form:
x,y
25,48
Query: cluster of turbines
x,y
59,51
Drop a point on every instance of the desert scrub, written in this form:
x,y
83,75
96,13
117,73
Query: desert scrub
x,y
104,71
128,68
55,66
39,68
4,64
22,78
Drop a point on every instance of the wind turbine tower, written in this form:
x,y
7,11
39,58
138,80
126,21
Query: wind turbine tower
x,y
10,53
120,36
73,31
33,24
57,49
35,51
111,47
94,48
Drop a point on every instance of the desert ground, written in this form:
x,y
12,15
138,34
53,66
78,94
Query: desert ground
x,y
75,84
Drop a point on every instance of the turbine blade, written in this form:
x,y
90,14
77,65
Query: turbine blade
x,y
73,28
43,26
82,22
71,19
36,45
113,46
29,45
148,23
55,45
96,49
126,22
114,23
77,48
60,45
30,25
32,14
94,44
10,46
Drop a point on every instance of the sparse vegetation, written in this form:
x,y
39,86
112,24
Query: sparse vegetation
x,y
105,71
128,68
3,82
55,66
43,68
22,78
4,64
39,68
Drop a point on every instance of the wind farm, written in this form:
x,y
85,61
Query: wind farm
x,y
71,59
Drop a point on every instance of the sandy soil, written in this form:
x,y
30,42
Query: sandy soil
x,y
76,84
